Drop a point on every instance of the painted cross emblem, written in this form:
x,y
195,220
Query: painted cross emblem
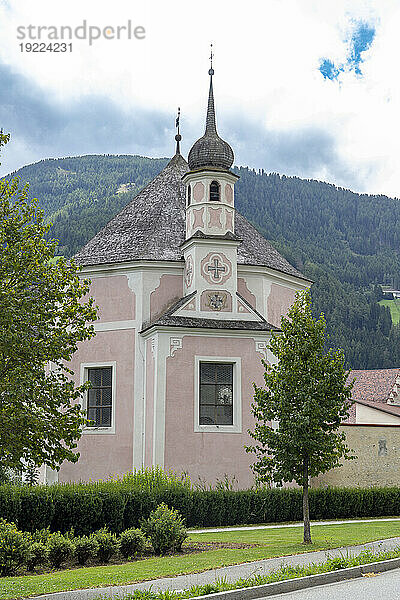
x,y
216,269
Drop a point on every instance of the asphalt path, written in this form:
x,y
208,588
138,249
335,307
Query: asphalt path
x,y
280,525
385,586
231,573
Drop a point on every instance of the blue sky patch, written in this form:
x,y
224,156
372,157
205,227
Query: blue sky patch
x,y
360,40
328,69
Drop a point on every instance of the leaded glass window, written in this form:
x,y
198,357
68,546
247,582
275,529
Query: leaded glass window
x,y
216,393
99,397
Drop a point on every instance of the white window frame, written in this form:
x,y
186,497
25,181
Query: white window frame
x,y
237,395
83,378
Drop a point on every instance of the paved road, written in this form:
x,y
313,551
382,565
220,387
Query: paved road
x,y
383,585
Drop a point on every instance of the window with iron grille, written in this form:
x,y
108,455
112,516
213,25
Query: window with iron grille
x,y
99,397
216,394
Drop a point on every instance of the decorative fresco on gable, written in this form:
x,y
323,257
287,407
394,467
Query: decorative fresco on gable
x,y
216,268
216,300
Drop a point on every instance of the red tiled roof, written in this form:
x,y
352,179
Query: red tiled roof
x,y
373,385
372,388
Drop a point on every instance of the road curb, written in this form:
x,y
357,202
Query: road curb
x,y
301,583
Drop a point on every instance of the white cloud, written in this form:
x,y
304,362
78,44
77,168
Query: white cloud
x,y
267,54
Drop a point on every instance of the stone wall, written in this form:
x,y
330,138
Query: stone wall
x,y
378,458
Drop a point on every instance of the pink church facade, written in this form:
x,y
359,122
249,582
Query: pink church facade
x,y
189,294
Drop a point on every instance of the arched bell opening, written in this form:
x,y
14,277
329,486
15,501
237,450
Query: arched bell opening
x,y
215,191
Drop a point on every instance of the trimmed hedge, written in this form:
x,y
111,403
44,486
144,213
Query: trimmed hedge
x,y
117,505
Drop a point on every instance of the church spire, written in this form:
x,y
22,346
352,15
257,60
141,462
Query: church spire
x,y
211,126
210,151
178,136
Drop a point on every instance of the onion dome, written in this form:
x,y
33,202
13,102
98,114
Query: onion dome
x,y
210,150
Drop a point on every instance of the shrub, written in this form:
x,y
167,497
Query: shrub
x,y
35,507
154,478
60,549
38,555
41,535
124,503
14,548
85,547
108,544
132,542
165,529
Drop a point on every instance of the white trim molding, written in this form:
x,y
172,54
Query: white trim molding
x,y
262,348
83,377
237,395
115,325
175,343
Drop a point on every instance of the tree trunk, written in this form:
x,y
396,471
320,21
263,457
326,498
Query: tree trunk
x,y
306,508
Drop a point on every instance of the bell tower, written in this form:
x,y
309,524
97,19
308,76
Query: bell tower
x,y
210,248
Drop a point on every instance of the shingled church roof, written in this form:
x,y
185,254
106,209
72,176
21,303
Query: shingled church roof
x,y
152,227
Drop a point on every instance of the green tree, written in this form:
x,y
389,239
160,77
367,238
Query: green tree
x,y
306,396
43,316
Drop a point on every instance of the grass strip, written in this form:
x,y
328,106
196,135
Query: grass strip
x,y
271,543
283,573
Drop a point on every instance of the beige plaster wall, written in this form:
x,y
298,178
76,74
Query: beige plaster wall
x,y
368,414
208,455
378,458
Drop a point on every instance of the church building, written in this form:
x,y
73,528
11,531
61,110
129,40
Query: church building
x,y
189,293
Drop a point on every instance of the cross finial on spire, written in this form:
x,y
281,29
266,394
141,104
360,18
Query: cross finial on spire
x,y
211,70
178,136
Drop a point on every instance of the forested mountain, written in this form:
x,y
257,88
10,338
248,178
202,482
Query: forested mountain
x,y
347,243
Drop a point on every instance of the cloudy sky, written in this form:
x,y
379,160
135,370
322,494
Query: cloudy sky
x,y
303,87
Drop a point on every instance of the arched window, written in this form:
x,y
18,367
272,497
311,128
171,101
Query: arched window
x,y
189,194
214,191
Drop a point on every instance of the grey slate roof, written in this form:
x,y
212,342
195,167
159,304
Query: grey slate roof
x,y
152,227
168,319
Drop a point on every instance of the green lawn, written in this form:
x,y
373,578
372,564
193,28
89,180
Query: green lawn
x,y
394,306
273,542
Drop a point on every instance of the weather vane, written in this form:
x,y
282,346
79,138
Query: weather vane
x,y
178,136
211,71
